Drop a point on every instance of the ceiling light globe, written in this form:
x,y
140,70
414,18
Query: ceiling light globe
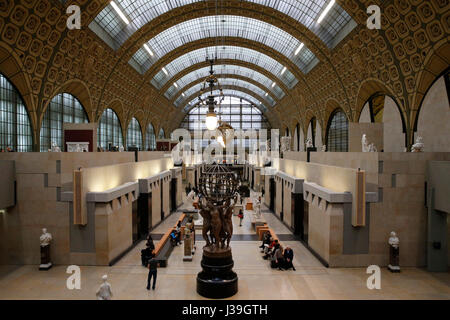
x,y
211,121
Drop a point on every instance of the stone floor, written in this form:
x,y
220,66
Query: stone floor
x,y
257,280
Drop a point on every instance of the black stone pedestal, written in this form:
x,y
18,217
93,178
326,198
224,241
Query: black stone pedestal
x,y
394,261
217,280
45,258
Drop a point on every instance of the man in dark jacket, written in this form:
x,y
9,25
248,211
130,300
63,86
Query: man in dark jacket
x,y
288,257
152,271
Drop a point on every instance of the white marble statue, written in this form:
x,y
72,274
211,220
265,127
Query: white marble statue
x,y
190,198
372,148
309,143
104,291
238,197
418,146
45,238
324,148
55,147
364,143
257,206
285,144
394,240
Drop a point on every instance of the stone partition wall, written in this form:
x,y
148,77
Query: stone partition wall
x,y
41,177
373,132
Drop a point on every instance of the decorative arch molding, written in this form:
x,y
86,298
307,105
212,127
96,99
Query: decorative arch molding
x,y
436,64
369,88
79,90
331,106
117,106
226,76
12,68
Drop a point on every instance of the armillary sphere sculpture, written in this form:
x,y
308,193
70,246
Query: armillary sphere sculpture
x,y
218,187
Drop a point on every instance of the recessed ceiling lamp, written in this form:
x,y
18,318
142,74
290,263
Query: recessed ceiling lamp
x,y
299,48
325,12
148,49
283,71
266,94
183,94
119,12
165,71
175,84
274,84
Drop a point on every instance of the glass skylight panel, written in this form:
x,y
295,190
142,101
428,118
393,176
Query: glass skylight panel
x,y
307,13
141,12
228,26
233,93
225,52
229,70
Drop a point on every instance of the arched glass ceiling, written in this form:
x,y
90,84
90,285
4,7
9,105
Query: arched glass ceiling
x,y
232,93
225,69
109,26
227,82
228,26
224,52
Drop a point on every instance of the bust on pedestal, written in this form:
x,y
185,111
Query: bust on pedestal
x,y
45,240
394,253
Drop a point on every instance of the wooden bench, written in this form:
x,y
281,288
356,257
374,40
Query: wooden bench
x,y
164,248
260,230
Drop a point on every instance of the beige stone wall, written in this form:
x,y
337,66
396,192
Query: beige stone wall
x,y
267,189
180,190
150,155
156,203
434,119
278,201
393,136
287,215
298,156
166,196
373,132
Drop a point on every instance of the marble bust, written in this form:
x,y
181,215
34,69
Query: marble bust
x,y
104,291
309,143
45,238
394,241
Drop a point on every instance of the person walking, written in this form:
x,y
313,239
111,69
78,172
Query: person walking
x,y
152,271
241,217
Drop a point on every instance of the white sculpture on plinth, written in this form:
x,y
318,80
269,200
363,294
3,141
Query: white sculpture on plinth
x,y
257,205
45,240
394,253
121,148
418,146
104,291
309,143
364,143
324,148
372,148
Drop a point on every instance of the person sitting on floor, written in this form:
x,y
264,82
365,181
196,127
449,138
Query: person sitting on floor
x,y
278,257
269,251
288,257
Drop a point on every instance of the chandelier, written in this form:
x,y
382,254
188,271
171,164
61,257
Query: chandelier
x,y
210,83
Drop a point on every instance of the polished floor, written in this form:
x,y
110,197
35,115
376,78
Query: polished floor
x,y
257,280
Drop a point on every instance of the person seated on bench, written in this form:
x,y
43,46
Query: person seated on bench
x,y
269,250
174,240
278,258
288,257
266,239
150,245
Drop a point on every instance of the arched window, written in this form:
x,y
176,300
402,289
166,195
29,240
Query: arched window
x,y
150,138
337,132
161,134
134,134
15,128
63,108
311,133
109,131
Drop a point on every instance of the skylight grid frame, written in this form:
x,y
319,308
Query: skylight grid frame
x,y
225,69
234,26
141,12
226,52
